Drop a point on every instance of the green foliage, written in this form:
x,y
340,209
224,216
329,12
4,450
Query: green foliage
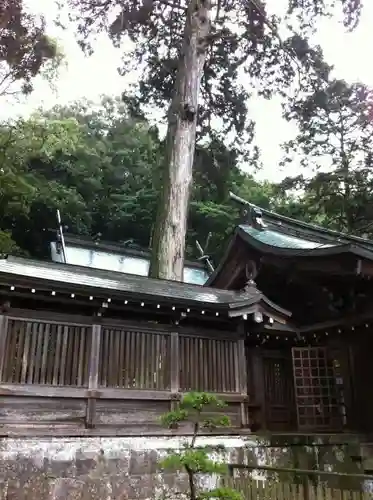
x,y
240,43
334,146
191,408
8,245
196,460
222,492
25,49
100,166
195,408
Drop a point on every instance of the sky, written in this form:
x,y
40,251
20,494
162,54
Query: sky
x,y
90,77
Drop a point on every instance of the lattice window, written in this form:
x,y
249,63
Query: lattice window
x,y
134,360
316,391
207,365
46,353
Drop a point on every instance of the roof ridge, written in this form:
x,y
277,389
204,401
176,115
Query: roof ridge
x,y
120,276
302,224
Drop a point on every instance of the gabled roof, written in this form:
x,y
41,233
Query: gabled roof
x,y
281,232
281,236
277,240
284,232
53,276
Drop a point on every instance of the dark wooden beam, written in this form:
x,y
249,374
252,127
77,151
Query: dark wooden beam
x,y
32,390
93,367
3,335
175,369
38,430
241,373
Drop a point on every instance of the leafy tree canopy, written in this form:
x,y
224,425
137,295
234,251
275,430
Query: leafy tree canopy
x,y
25,49
242,47
335,150
100,166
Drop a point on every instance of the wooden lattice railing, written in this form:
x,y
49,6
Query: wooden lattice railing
x,y
262,482
112,369
254,489
46,353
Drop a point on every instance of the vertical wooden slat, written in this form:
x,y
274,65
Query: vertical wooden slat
x,y
258,376
18,334
219,372
31,357
84,348
44,347
105,357
68,378
25,354
39,353
157,361
143,360
186,375
225,364
93,374
94,357
57,357
63,360
214,364
175,367
162,364
231,383
242,378
3,343
135,359
74,353
112,363
128,338
121,354
117,357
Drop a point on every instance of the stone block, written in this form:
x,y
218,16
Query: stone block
x,y
84,466
66,489
143,462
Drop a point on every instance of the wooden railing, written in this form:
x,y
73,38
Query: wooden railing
x,y
281,483
254,489
46,353
110,375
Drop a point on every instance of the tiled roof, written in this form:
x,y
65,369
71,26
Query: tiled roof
x,y
44,274
285,233
281,240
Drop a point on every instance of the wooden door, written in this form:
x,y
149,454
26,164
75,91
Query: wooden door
x,y
278,390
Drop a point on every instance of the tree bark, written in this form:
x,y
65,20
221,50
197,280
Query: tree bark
x,y
171,224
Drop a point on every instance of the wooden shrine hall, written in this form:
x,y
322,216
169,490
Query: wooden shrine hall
x,y
280,330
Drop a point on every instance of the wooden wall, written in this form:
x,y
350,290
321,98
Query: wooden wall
x,y
78,376
360,358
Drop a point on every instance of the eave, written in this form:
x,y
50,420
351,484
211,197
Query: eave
x,y
306,229
321,251
48,278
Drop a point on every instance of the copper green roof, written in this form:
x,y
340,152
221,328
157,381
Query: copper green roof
x,y
277,239
288,235
288,238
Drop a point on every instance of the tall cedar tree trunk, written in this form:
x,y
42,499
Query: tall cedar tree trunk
x,y
171,225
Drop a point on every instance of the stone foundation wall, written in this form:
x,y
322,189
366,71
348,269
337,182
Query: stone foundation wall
x,y
93,468
126,468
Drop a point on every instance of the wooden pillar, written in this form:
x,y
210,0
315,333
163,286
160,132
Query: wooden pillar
x,y
241,373
175,369
3,337
93,376
259,387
